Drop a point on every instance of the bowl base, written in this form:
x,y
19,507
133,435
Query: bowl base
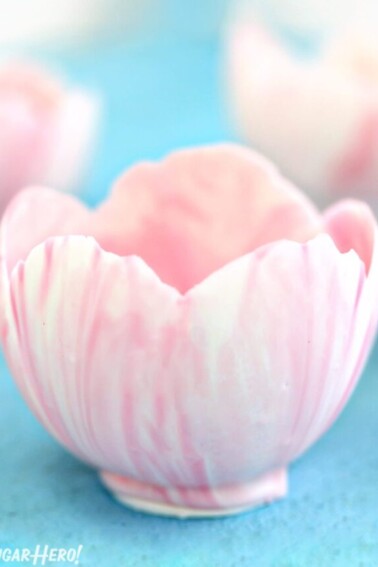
x,y
196,502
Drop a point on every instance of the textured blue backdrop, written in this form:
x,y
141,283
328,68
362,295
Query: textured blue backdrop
x,y
157,97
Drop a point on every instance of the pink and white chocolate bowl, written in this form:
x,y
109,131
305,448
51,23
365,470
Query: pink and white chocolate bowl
x,y
47,130
316,118
195,333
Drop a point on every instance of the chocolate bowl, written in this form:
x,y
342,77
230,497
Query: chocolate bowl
x,y
316,118
47,130
195,333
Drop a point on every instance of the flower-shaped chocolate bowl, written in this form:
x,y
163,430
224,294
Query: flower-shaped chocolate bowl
x,y
316,118
46,130
195,333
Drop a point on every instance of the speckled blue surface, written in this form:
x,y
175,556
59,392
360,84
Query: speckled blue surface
x,y
159,96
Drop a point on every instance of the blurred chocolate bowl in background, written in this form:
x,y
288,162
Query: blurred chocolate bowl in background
x,y
47,130
314,19
66,21
313,112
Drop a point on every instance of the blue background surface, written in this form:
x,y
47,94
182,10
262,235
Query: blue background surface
x,y
159,95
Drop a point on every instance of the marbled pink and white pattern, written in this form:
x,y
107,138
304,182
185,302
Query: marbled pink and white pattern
x,y
195,333
316,118
46,130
